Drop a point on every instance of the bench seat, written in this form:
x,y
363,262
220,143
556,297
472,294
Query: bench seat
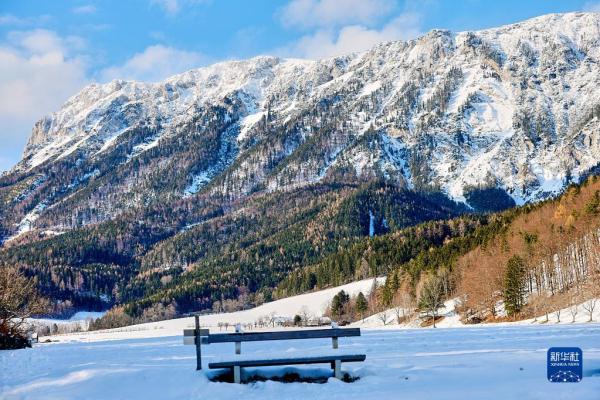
x,y
288,361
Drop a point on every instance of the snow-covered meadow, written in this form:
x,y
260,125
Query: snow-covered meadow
x,y
314,304
486,362
149,361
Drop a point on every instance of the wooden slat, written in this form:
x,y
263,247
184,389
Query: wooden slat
x,y
192,340
289,361
189,340
281,335
192,332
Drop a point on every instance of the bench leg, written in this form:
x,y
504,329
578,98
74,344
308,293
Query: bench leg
x,y
337,370
237,374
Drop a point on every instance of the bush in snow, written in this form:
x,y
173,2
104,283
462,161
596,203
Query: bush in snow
x,y
19,300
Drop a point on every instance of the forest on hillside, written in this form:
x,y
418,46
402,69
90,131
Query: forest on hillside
x,y
518,263
527,262
234,257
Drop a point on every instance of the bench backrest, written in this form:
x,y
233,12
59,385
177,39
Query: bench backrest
x,y
199,336
280,335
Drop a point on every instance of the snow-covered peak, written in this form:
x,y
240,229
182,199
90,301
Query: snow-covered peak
x,y
260,76
515,107
91,112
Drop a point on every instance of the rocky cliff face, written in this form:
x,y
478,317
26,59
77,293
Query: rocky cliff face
x,y
515,108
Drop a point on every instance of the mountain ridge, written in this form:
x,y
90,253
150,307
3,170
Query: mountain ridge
x,y
404,133
251,81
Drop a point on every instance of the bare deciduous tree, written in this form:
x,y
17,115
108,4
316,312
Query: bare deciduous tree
x,y
534,304
404,305
574,307
589,307
19,300
305,315
383,317
545,306
272,318
431,299
592,291
557,310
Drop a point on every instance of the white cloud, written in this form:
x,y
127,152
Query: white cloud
x,y
172,7
42,42
97,27
87,9
10,19
155,63
353,38
39,70
592,6
157,35
329,13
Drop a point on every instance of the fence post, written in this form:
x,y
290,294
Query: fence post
x,y
237,370
198,340
334,343
238,345
337,370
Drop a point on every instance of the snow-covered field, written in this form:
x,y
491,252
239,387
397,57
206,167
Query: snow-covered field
x,y
149,361
78,316
78,321
487,362
451,319
313,303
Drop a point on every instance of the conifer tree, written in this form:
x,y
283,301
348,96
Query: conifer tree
x,y
514,285
361,304
339,302
592,206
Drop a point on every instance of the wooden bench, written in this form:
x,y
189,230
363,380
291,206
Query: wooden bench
x,y
335,360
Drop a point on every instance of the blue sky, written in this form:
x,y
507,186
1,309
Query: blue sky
x,y
51,49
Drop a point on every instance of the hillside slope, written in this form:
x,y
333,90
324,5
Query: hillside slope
x,y
523,263
557,243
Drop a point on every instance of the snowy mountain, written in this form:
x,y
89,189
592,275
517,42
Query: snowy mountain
x,y
515,107
219,183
